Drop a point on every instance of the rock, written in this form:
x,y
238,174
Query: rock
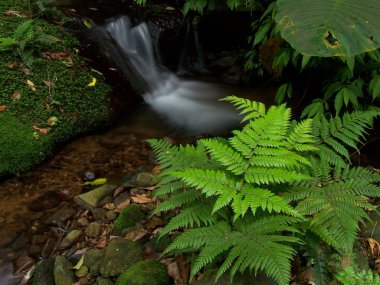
x,y
92,199
44,272
120,254
44,202
137,191
70,239
106,200
146,179
146,272
111,215
94,229
128,217
83,221
92,259
89,175
64,213
63,275
41,238
99,214
103,281
10,232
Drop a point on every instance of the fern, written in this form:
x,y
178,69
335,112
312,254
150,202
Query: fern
x,y
248,198
350,275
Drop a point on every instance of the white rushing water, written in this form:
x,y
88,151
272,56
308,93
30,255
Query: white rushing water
x,y
192,106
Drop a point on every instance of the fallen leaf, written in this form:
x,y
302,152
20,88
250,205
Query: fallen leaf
x,y
87,23
85,214
136,234
11,64
173,271
374,245
49,83
152,224
102,242
11,12
122,205
31,85
16,96
92,83
150,188
99,181
26,71
79,264
52,121
141,199
118,191
41,130
3,108
156,169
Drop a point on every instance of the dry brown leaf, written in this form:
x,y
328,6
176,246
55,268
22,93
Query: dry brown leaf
x,y
141,199
156,169
102,242
31,85
151,188
122,205
49,83
3,108
117,191
136,234
62,55
374,245
26,71
173,271
41,130
16,96
11,12
11,64
152,224
85,214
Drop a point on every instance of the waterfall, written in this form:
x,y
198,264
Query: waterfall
x,y
192,106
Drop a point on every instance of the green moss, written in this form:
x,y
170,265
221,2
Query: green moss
x,y
146,272
128,217
61,91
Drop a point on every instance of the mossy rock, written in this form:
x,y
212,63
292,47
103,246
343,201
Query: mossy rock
x,y
63,274
120,254
59,102
44,272
92,259
146,272
128,217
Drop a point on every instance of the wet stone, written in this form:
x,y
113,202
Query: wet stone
x,y
44,272
83,221
63,275
92,199
146,179
64,213
93,229
70,239
111,215
99,214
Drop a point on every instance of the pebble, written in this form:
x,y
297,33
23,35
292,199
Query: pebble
x,y
111,215
70,239
93,229
83,221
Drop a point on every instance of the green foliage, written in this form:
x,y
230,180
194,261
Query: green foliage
x,y
250,198
351,275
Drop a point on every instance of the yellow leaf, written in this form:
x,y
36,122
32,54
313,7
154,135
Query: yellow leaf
x,y
92,83
169,8
373,244
87,23
98,181
31,85
79,264
52,121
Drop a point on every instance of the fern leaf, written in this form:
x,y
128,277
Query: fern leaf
x,y
254,109
178,200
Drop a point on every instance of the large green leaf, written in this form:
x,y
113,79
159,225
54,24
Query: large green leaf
x,y
330,27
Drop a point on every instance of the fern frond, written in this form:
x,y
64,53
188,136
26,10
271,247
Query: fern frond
x,y
351,275
254,109
24,31
196,214
178,200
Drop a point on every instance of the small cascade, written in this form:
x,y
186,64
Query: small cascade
x,y
191,106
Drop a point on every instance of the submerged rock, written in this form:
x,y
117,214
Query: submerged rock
x,y
128,217
44,272
63,275
120,254
146,272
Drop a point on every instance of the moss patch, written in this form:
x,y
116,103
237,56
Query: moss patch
x,y
128,217
54,87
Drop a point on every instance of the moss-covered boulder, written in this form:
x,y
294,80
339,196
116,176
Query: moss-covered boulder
x,y
45,93
128,217
63,274
146,272
120,254
44,272
92,259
